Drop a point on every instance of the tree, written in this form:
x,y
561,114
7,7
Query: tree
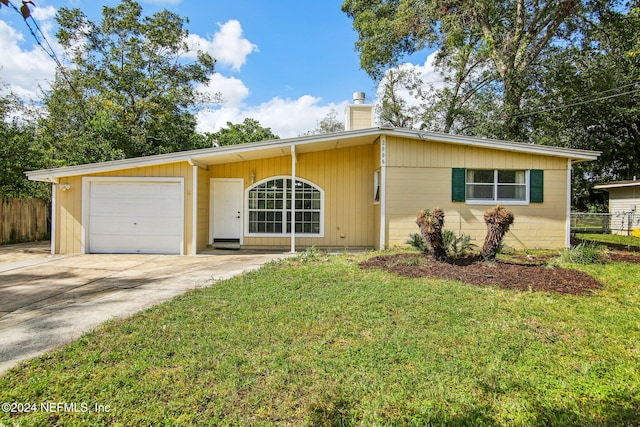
x,y
128,89
249,130
329,124
393,108
511,35
19,152
591,102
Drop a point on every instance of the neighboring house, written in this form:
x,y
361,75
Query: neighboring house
x,y
361,188
624,199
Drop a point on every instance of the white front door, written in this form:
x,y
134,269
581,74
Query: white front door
x,y
226,222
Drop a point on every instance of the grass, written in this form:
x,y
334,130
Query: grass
x,y
317,341
629,241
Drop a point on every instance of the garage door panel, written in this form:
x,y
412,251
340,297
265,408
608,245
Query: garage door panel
x,y
141,226
134,244
135,217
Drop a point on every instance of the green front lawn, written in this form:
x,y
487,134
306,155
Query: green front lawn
x,y
322,342
631,242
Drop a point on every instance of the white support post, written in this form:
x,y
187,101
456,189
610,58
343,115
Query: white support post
x,y
293,198
383,193
568,225
194,214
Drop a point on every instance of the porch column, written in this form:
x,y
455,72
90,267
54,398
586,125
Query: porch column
x,y
194,211
568,224
293,198
383,193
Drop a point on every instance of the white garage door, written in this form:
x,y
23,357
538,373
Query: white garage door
x,y
135,217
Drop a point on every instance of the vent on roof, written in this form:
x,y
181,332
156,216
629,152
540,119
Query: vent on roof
x,y
358,97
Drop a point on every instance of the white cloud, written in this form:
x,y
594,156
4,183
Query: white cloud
x,y
232,90
287,118
23,70
43,13
227,46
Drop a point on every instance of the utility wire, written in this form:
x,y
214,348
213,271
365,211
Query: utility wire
x,y
560,107
48,49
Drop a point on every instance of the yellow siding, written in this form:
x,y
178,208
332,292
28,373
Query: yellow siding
x,y
345,175
419,177
203,209
69,204
359,116
69,217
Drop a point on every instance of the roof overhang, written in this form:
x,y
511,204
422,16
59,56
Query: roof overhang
x,y
617,184
304,144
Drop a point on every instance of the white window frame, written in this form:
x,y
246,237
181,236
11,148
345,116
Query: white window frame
x,y
496,200
377,181
284,210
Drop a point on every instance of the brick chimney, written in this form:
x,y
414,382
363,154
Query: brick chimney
x,y
358,115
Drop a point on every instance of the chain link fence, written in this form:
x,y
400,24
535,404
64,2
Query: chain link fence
x,y
605,223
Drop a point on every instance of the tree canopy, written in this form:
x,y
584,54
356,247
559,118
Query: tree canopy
x,y
328,124
507,38
128,91
249,130
563,73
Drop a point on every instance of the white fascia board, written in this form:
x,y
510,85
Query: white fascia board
x,y
617,185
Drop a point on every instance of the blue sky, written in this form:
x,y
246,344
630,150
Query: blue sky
x,y
285,63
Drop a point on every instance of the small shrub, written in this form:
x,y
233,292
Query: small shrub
x,y
584,253
454,245
309,254
457,245
417,242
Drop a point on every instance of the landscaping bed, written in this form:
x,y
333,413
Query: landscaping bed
x,y
523,273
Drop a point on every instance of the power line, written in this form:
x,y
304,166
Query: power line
x,y
546,110
48,49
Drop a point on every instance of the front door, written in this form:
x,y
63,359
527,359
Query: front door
x,y
226,222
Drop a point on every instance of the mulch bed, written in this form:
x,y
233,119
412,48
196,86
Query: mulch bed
x,y
524,273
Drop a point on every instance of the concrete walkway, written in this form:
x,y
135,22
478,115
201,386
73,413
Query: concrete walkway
x,y
49,300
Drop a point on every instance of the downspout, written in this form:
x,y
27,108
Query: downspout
x,y
293,198
383,192
568,224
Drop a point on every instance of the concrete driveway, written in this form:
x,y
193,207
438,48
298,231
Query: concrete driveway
x,y
49,300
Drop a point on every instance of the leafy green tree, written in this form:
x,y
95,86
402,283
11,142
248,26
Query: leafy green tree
x,y
128,91
508,36
19,152
590,101
249,130
393,108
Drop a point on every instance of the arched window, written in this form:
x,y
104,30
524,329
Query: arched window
x,y
269,208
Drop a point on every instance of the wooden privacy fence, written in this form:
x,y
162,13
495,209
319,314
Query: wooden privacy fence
x,y
23,220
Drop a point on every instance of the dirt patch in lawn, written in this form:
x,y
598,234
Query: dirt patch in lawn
x,y
622,256
526,273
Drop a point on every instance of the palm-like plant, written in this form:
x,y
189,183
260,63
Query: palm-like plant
x,y
498,221
431,223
